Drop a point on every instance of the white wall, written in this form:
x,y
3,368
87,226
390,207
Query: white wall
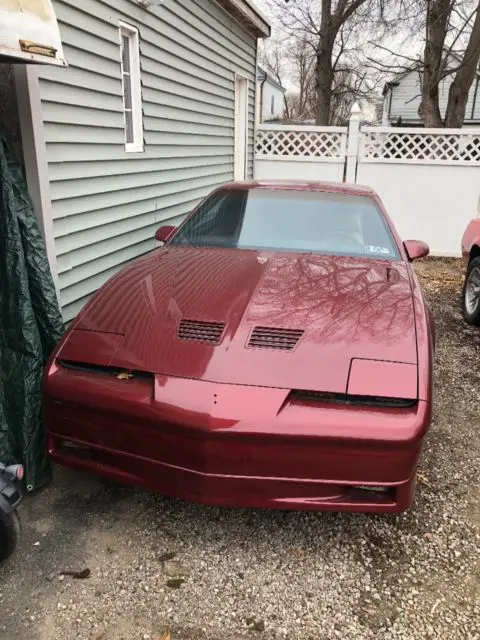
x,y
291,169
272,91
430,203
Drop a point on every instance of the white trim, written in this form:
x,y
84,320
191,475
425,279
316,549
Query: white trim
x,y
474,164
22,56
314,159
300,128
132,34
256,119
446,254
239,78
35,156
420,131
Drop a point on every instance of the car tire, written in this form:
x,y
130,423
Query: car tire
x,y
471,293
9,533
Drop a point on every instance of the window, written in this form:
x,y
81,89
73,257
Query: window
x,y
290,220
272,108
132,90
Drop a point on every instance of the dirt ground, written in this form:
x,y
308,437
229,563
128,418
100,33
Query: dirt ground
x,y
260,573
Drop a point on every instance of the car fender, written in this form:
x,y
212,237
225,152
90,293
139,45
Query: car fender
x,y
425,333
471,238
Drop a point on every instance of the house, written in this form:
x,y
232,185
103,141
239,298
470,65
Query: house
x,y
271,96
155,108
401,100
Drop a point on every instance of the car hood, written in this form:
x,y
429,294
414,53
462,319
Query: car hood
x,y
315,313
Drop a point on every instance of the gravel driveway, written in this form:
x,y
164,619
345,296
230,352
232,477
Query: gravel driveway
x,y
218,574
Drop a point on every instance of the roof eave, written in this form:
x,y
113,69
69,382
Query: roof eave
x,y
248,16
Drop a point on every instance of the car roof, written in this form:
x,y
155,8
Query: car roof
x,y
303,185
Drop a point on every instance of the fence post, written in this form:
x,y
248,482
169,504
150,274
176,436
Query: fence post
x,y
353,144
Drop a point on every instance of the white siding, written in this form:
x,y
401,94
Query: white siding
x,y
106,202
406,99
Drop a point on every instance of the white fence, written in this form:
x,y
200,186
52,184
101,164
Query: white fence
x,y
429,179
286,152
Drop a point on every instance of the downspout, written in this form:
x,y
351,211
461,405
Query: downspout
x,y
261,97
475,96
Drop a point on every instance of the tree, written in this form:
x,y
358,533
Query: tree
x,y
316,25
436,32
272,57
462,83
335,33
449,24
450,30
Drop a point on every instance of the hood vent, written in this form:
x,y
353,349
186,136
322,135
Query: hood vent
x,y
198,331
270,338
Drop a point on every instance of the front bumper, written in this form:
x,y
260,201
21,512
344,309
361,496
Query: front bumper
x,y
234,446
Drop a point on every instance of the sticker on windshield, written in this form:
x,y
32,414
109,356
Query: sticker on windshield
x,y
384,251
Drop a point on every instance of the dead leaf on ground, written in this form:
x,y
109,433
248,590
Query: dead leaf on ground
x,y
175,569
165,635
422,478
175,583
256,624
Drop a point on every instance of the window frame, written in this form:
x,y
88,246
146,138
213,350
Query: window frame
x,y
129,31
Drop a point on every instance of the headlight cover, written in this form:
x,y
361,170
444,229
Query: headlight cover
x,y
382,379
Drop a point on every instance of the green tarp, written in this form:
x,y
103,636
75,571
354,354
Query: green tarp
x,y
30,323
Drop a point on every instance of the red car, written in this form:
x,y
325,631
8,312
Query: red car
x,y
276,352
471,286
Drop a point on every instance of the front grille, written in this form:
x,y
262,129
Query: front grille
x,y
85,367
199,331
271,338
345,399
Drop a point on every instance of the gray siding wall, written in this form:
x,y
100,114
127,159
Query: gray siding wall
x,y
107,203
406,99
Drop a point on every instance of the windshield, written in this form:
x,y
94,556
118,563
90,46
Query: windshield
x,y
288,220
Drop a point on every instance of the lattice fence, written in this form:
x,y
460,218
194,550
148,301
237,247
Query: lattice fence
x,y
420,146
307,144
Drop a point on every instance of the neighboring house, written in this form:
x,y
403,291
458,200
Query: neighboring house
x,y
155,109
271,97
402,100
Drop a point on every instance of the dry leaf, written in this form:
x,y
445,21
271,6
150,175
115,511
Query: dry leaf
x,y
434,608
422,478
125,375
165,635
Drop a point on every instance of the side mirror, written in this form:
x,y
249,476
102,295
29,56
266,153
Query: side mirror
x,y
163,234
416,249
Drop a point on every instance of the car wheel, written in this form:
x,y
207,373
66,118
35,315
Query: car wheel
x,y
9,532
471,293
